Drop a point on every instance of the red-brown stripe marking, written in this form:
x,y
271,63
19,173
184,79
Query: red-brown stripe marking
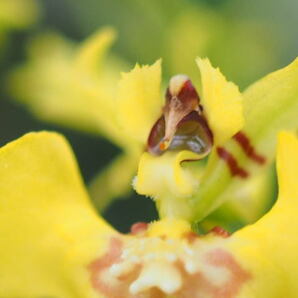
x,y
248,149
232,163
221,232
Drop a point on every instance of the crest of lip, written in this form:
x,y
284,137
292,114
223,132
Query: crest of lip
x,y
182,125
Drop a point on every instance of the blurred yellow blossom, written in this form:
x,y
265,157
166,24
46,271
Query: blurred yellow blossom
x,y
75,85
17,14
70,84
54,243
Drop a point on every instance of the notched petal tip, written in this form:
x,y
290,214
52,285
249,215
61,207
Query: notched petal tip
x,y
222,102
139,101
63,82
91,53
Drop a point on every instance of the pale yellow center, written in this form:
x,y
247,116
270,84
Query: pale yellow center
x,y
164,260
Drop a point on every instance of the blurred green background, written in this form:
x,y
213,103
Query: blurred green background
x,y
246,39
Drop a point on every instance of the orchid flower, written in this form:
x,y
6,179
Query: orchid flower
x,y
55,245
217,121
62,83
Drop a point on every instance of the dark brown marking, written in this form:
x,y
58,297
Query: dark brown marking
x,y
232,163
192,133
188,93
182,125
247,148
200,285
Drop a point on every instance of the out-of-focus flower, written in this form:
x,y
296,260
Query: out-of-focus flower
x,y
17,14
54,244
74,85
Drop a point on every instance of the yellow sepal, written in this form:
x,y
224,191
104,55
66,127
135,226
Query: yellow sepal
x,y
91,53
268,248
139,100
73,85
287,167
49,230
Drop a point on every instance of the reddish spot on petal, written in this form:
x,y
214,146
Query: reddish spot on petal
x,y
198,285
219,231
138,227
232,163
248,149
116,287
191,237
221,258
100,265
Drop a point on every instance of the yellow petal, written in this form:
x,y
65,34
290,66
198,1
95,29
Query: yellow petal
x,y
166,179
257,261
287,166
139,100
222,102
72,85
49,230
270,105
244,203
167,259
269,247
92,51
